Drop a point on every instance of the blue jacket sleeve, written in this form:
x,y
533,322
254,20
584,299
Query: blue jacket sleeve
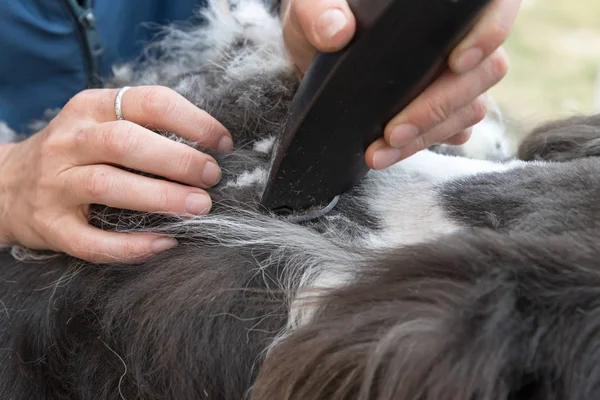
x,y
46,57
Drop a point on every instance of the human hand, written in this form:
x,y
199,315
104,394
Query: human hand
x,y
447,109
49,180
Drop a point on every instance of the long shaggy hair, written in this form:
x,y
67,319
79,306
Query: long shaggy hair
x,y
461,273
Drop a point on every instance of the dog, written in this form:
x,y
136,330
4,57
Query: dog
x,y
465,272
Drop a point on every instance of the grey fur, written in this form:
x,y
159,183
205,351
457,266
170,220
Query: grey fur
x,y
440,278
545,199
563,140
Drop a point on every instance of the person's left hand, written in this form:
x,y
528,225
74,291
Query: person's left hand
x,y
446,110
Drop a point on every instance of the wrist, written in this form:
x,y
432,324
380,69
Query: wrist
x,y
6,179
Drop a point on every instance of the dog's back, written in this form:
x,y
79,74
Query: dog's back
x,y
440,278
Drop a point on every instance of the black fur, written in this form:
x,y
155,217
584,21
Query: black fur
x,y
512,314
190,324
506,309
478,315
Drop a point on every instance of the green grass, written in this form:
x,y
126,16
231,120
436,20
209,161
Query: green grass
x,y
554,50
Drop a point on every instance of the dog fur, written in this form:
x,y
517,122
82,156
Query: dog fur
x,y
470,275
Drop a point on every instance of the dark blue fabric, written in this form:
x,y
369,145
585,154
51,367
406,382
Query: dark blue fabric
x,y
42,56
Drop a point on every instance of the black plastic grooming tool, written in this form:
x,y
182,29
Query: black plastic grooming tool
x,y
346,98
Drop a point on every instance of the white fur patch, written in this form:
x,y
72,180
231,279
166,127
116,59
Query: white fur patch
x,y
404,199
488,141
7,135
256,177
265,145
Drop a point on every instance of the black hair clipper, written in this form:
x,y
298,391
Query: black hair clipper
x,y
346,98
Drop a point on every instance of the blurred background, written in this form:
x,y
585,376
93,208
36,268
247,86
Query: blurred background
x,y
554,50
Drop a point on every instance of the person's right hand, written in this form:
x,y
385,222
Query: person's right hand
x,y
48,181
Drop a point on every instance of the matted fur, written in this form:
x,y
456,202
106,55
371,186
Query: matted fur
x,y
441,278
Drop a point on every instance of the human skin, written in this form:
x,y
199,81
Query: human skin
x,y
447,109
49,181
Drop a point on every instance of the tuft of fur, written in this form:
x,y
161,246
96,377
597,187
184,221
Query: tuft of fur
x,y
563,140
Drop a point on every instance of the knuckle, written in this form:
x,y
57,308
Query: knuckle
x,y
96,182
129,246
85,134
420,143
164,199
478,110
497,32
212,129
52,145
81,249
157,101
56,140
134,248
81,99
119,138
77,246
437,112
39,222
187,163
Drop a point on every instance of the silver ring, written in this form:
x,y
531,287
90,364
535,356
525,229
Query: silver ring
x,y
118,110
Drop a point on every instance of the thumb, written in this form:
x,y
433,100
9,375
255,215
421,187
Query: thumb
x,y
316,25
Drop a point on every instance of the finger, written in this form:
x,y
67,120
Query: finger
x,y
443,98
380,155
489,33
157,108
459,138
132,146
114,187
83,241
459,121
383,156
311,25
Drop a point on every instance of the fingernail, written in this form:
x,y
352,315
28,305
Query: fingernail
x,y
468,60
330,23
197,203
401,135
383,158
225,144
211,174
162,244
